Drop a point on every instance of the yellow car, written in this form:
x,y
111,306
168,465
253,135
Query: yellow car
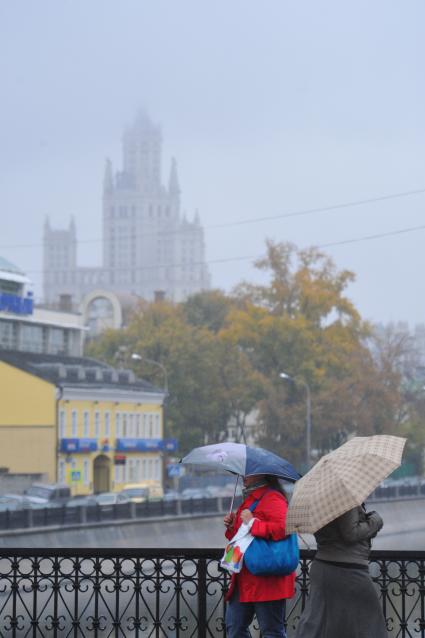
x,y
141,492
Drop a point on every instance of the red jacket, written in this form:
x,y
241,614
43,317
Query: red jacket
x,y
271,517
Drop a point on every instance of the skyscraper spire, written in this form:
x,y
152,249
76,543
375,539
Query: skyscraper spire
x,y
173,183
108,180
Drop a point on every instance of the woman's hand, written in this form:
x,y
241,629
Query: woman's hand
x,y
246,516
228,520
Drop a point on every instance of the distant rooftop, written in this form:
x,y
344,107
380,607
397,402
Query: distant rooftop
x,y
9,267
81,372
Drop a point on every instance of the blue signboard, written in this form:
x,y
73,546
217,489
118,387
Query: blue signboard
x,y
75,446
15,304
81,446
169,445
146,445
175,470
139,445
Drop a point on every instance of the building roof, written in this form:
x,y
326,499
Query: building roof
x,y
9,267
77,372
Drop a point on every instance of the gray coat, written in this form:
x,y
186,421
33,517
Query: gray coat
x,y
347,539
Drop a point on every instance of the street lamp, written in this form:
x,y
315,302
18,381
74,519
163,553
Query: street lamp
x,y
288,377
139,357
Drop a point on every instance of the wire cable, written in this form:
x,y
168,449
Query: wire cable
x,y
243,222
225,260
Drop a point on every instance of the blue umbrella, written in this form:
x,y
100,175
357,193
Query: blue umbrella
x,y
242,460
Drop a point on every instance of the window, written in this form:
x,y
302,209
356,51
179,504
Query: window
x,y
150,468
150,435
32,338
138,471
97,425
86,472
86,424
157,427
118,425
132,476
107,424
8,334
119,474
139,426
145,426
61,472
124,426
74,424
157,469
144,472
62,424
131,425
56,341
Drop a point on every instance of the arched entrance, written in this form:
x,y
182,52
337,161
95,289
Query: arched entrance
x,y
101,474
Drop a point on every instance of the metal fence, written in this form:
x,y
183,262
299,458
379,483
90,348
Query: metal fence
x,y
79,515
66,515
165,593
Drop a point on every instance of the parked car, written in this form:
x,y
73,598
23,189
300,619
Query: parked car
x,y
172,495
9,502
147,490
193,492
136,494
82,501
108,499
45,493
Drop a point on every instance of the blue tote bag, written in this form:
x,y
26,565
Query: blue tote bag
x,y
272,558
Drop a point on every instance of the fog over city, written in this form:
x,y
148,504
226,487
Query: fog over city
x,y
269,109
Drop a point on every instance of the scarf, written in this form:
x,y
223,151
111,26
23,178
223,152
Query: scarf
x,y
249,490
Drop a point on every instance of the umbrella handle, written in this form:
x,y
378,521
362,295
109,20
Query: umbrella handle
x,y
304,541
234,494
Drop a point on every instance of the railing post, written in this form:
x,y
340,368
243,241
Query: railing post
x,y
202,598
82,514
28,517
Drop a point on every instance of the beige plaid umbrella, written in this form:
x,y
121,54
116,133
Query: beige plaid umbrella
x,y
342,480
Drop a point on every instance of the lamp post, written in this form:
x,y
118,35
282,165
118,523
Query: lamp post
x,y
138,357
288,377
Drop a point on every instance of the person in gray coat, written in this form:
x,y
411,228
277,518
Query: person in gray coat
x,y
343,600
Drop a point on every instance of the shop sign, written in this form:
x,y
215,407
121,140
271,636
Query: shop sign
x,y
146,445
139,445
175,470
78,446
170,445
16,305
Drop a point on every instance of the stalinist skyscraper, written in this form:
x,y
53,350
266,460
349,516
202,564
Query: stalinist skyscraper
x,y
148,245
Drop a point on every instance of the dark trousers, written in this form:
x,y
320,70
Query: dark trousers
x,y
270,616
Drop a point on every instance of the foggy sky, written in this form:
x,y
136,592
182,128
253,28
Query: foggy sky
x,y
269,108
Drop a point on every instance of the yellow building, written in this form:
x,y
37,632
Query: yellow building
x,y
80,421
28,438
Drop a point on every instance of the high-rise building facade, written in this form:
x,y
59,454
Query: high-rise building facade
x,y
148,245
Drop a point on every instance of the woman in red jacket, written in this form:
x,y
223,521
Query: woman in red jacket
x,y
262,596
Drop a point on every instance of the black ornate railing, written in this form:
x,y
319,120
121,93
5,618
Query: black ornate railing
x,y
165,593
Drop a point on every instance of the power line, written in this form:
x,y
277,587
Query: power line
x,y
225,260
251,220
